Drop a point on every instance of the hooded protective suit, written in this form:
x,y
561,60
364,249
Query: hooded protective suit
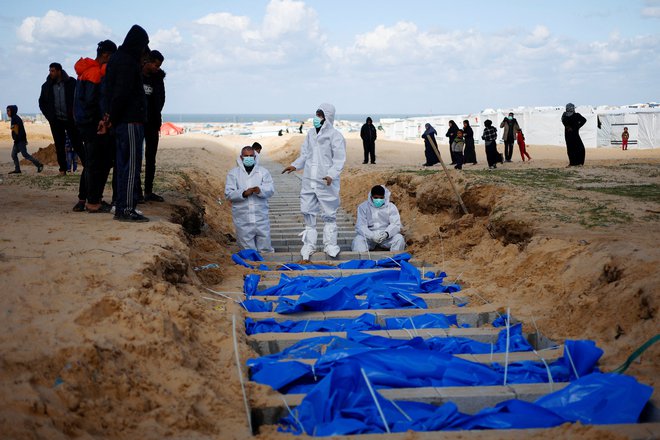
x,y
322,154
372,222
250,214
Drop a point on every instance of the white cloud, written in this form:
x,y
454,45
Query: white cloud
x,y
165,37
54,28
225,21
651,12
289,17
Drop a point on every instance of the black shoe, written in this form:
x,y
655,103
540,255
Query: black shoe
x,y
373,163
15,172
131,216
140,200
364,163
40,168
80,206
153,198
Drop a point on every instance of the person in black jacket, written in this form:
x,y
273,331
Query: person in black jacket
x,y
154,89
56,104
127,112
368,135
451,134
20,141
574,147
88,113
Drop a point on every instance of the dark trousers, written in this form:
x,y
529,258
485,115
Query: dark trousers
x,y
458,158
492,156
128,162
21,147
60,130
151,134
369,150
508,150
99,152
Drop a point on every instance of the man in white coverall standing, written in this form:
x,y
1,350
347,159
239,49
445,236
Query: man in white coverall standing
x,y
249,186
322,156
378,223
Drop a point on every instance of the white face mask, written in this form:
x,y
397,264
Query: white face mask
x,y
248,161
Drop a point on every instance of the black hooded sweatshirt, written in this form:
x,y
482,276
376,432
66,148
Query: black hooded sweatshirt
x,y
17,128
154,88
124,93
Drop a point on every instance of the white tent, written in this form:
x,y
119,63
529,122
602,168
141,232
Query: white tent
x,y
542,125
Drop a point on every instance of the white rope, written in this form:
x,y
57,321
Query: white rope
x,y
399,409
292,414
240,374
506,353
410,301
547,369
570,359
442,243
413,326
227,297
395,262
373,396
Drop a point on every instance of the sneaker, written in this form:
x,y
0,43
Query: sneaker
x,y
80,206
40,168
15,172
131,216
99,208
112,210
306,251
153,198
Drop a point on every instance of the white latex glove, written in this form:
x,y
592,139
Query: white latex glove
x,y
381,237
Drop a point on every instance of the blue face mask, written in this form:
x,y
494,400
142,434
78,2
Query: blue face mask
x,y
248,161
378,203
317,122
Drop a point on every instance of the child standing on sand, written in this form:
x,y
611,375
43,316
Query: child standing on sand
x,y
71,156
20,141
520,137
457,147
624,139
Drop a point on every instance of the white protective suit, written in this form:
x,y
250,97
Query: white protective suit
x,y
322,154
250,214
371,221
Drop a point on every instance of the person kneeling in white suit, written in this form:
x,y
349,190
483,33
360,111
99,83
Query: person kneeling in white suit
x,y
378,223
322,156
249,186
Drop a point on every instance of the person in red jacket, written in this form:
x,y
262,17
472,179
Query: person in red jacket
x,y
520,137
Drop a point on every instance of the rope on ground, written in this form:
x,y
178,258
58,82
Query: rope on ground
x,y
240,374
637,353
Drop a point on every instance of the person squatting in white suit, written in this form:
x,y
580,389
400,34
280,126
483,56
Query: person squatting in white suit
x,y
249,186
378,223
322,156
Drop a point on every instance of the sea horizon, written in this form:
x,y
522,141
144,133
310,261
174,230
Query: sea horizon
x,y
258,117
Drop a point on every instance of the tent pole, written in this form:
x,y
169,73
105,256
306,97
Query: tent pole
x,y
437,153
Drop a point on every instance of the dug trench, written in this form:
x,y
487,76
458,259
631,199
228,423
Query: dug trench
x,y
153,357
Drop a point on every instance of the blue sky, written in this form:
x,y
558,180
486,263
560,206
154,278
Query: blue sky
x,y
405,57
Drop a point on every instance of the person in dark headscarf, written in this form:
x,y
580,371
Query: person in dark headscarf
x,y
574,147
369,135
451,134
469,155
431,157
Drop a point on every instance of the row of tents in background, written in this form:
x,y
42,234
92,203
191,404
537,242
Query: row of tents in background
x,y
542,125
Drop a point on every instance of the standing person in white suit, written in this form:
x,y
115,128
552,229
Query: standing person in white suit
x,y
322,156
249,186
378,223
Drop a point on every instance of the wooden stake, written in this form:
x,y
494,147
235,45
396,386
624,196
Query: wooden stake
x,y
437,153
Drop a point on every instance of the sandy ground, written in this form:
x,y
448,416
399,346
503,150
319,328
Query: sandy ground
x,y
107,331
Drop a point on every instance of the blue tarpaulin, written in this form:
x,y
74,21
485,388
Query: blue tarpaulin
x,y
408,366
340,404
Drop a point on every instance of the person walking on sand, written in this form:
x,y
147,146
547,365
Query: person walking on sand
x,y
470,154
249,186
451,134
56,104
88,114
124,94
322,156
574,147
624,139
19,137
511,127
429,151
520,137
490,140
368,135
154,88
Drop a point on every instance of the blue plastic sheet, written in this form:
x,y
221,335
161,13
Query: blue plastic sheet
x,y
341,404
428,320
250,254
412,365
365,321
